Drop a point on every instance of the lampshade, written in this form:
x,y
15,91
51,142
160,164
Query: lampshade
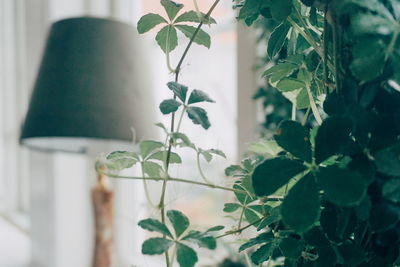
x,y
87,88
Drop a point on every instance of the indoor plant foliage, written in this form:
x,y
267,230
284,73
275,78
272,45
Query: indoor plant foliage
x,y
323,195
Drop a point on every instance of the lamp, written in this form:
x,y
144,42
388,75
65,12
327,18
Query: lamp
x,y
86,92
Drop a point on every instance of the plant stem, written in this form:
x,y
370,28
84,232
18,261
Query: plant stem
x,y
200,170
146,189
309,40
180,119
314,108
306,117
240,229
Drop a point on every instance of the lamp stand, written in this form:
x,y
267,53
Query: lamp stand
x,y
102,198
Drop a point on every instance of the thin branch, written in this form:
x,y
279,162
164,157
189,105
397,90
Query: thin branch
x,y
240,229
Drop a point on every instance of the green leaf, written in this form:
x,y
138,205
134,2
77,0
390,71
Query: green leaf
x,y
179,90
251,10
281,9
148,146
234,170
251,216
167,38
342,187
119,160
289,84
263,253
185,142
231,207
243,198
265,147
294,138
280,71
273,217
270,175
191,16
162,156
148,22
291,247
199,96
367,23
388,160
325,144
169,106
302,99
157,245
301,207
171,8
352,254
262,238
216,152
154,225
202,239
179,221
216,228
186,256
368,59
202,38
198,116
277,39
391,190
152,169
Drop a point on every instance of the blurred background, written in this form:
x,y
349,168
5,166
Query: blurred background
x,y
45,209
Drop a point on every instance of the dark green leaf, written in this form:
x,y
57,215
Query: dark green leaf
x,y
201,239
148,146
316,238
179,221
171,8
391,190
231,207
363,209
167,38
327,257
277,39
294,138
342,187
251,10
263,253
291,247
383,217
273,217
281,9
262,238
199,96
162,156
388,160
185,255
216,228
270,175
153,225
301,207
169,106
198,116
148,22
352,253
201,38
152,169
251,217
326,144
157,245
368,59
242,197
179,90
191,16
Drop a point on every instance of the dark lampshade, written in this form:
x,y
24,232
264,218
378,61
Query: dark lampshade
x,y
86,87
